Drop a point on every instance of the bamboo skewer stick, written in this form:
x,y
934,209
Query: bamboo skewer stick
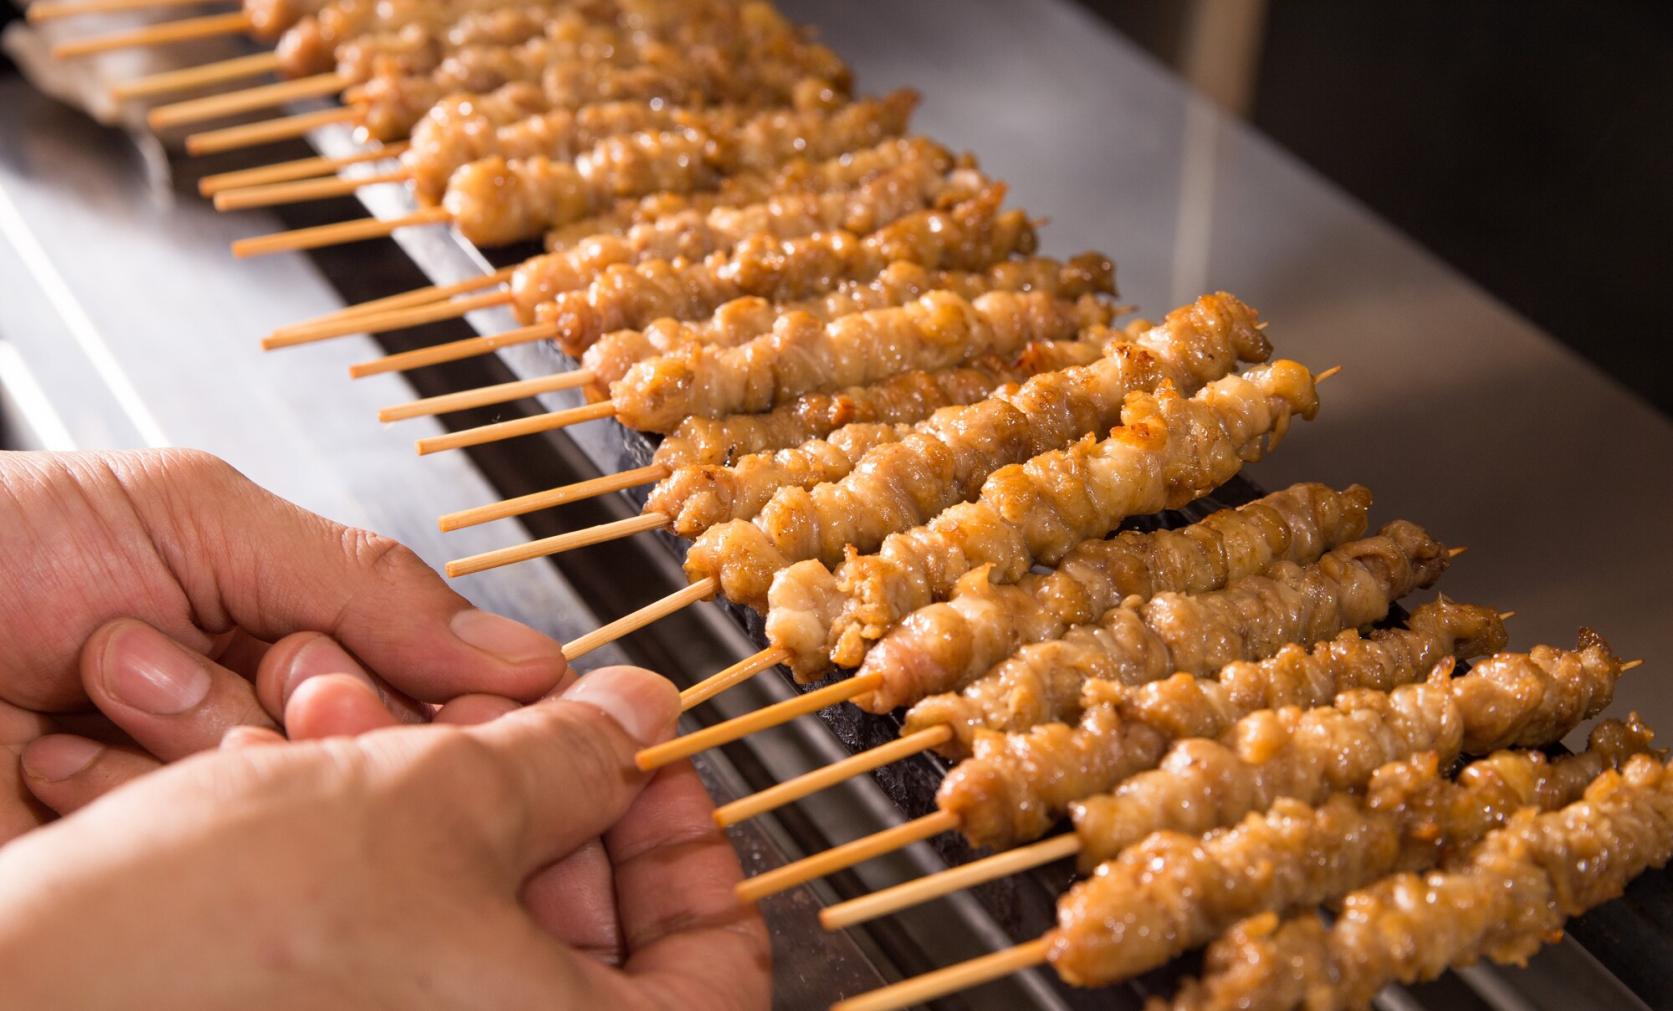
x,y
301,168
819,779
53,10
929,986
190,78
626,624
734,675
417,296
384,321
265,96
1326,374
656,756
935,886
483,434
337,233
556,544
552,498
1631,665
842,857
469,347
232,138
301,190
184,30
483,396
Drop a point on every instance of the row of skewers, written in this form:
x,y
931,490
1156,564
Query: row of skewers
x,y
911,442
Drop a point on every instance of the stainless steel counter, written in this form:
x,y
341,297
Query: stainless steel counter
x,y
119,309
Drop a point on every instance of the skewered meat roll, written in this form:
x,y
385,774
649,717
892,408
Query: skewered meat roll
x,y
743,319
1502,900
1013,786
1507,700
867,189
1169,451
1142,641
910,396
1172,892
1230,415
984,622
495,200
465,128
696,498
967,236
688,60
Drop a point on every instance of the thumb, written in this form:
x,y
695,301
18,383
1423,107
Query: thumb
x,y
567,763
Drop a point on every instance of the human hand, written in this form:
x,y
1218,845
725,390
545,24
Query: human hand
x,y
388,869
181,600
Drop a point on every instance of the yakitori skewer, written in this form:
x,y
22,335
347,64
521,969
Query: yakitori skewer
x,y
1180,710
1093,555
610,262
1552,856
908,397
1502,901
1015,785
1297,524
1083,398
495,202
1198,466
1197,345
1507,700
1409,817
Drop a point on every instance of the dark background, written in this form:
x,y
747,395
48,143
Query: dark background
x,y
1529,144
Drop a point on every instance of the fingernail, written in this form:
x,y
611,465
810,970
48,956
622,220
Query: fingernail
x,y
148,671
319,655
507,640
58,756
643,703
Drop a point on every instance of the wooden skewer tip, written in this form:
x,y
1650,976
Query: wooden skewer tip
x,y
1326,374
929,986
765,718
653,612
956,879
555,544
844,856
819,779
732,676
1631,665
1455,552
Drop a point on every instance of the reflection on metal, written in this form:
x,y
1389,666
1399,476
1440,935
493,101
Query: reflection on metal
x,y
1194,226
25,396
51,282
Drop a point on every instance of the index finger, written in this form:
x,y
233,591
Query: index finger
x,y
184,542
